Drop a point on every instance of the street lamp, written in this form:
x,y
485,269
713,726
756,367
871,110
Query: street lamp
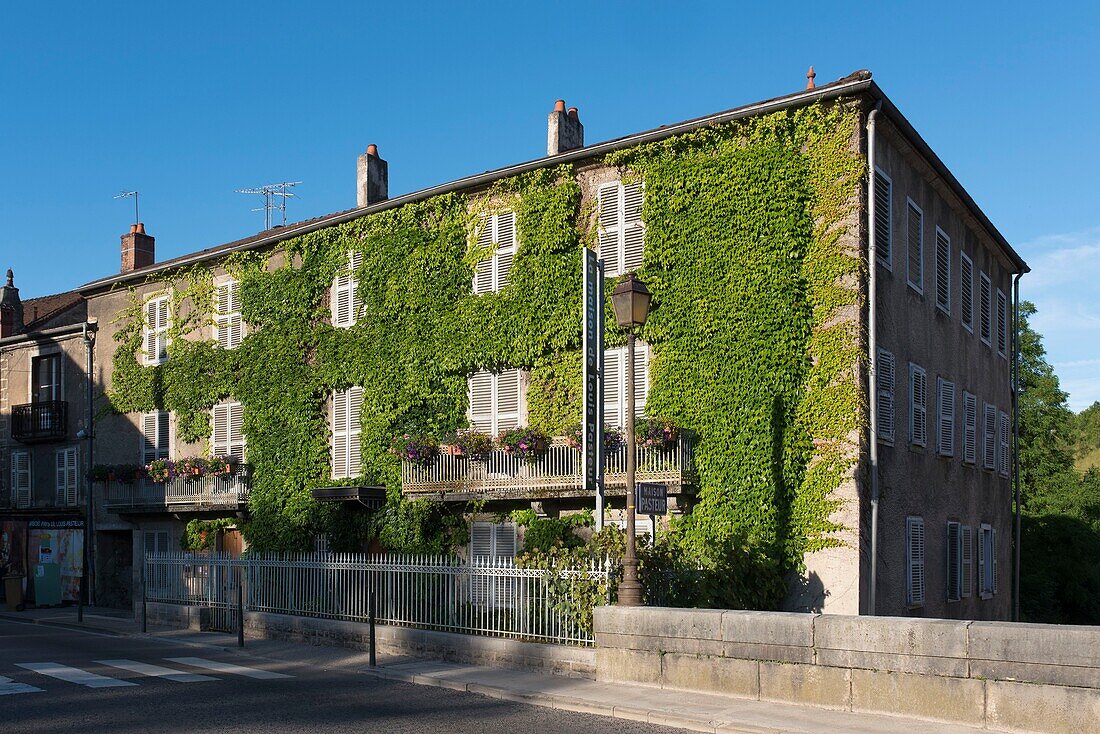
x,y
631,301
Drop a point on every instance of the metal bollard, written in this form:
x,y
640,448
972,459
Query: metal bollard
x,y
240,609
371,614
144,602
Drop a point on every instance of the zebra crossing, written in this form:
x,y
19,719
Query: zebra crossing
x,y
129,669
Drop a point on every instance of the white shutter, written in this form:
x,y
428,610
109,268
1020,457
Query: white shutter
x,y
883,219
228,317
228,436
346,303
610,228
1002,323
966,290
506,247
884,376
162,329
954,561
613,387
1004,445
914,231
914,534
989,437
504,540
483,274
154,432
155,330
21,478
967,574
943,271
339,435
355,429
481,413
970,428
507,400
633,227
985,307
150,335
66,460
946,430
641,378
918,405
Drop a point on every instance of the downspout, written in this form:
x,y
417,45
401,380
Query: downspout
x,y
872,351
1016,440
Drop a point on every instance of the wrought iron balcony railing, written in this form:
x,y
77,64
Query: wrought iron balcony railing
x,y
557,473
213,491
47,420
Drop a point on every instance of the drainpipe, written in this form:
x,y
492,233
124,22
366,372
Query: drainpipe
x,y
872,350
1016,439
89,334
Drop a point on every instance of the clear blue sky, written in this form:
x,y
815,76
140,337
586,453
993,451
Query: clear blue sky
x,y
189,101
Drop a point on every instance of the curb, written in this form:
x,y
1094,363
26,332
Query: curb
x,y
81,626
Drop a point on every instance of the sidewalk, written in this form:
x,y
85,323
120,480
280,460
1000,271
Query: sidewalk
x,y
681,709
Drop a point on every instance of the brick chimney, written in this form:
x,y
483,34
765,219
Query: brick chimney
x,y
372,178
564,130
11,308
138,249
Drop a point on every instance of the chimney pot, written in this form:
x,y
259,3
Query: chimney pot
x,y
139,228
564,130
372,178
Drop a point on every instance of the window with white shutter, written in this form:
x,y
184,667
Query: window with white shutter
x,y
67,463
491,545
985,308
966,574
987,561
884,377
155,438
954,561
155,330
1003,445
21,479
884,229
614,383
946,417
495,400
914,235
966,291
347,409
345,301
622,232
914,561
1002,324
497,232
228,326
943,271
918,405
989,436
970,428
228,436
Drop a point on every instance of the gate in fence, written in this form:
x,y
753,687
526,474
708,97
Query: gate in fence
x,y
484,596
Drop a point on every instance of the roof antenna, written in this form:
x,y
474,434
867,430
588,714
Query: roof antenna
x,y
275,196
127,195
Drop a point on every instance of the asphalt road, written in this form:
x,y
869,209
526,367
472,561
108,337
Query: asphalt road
x,y
55,680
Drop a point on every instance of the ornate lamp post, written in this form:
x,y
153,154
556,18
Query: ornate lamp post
x,y
631,301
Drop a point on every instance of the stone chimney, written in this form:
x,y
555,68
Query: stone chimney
x,y
373,178
138,249
11,308
564,130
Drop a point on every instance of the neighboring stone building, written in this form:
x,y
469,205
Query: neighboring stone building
x,y
307,348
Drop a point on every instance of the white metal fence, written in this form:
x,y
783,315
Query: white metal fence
x,y
485,596
221,490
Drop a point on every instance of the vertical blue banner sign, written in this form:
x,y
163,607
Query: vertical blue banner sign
x,y
593,322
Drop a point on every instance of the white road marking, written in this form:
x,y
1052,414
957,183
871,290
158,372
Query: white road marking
x,y
74,675
221,667
8,687
156,671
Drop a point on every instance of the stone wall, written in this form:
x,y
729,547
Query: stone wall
x,y
1000,675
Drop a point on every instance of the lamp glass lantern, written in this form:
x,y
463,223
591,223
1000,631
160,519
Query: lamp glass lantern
x,y
631,301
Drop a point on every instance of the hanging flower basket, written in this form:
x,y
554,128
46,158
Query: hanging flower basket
x,y
655,433
613,438
161,471
191,468
526,443
470,443
419,450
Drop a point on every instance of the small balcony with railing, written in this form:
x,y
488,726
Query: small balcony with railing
x,y
212,492
557,473
40,422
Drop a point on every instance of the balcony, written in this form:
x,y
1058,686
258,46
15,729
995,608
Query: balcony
x,y
558,473
200,494
47,420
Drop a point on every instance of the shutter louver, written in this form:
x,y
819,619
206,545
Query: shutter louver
x,y
506,247
228,322
355,416
967,553
1002,323
993,556
346,303
1004,444
985,306
989,437
983,537
883,230
915,236
483,274
613,387
970,428
481,402
954,562
150,332
339,435
633,228
641,378
507,399
610,229
943,271
918,405
946,431
966,288
884,376
915,553
21,478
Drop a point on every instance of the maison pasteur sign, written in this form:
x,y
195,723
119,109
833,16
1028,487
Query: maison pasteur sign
x,y
652,499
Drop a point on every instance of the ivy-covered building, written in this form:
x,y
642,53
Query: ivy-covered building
x,y
836,417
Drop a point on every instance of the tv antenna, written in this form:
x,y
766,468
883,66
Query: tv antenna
x,y
275,196
127,195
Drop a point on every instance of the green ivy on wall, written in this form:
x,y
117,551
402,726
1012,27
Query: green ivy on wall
x,y
752,348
